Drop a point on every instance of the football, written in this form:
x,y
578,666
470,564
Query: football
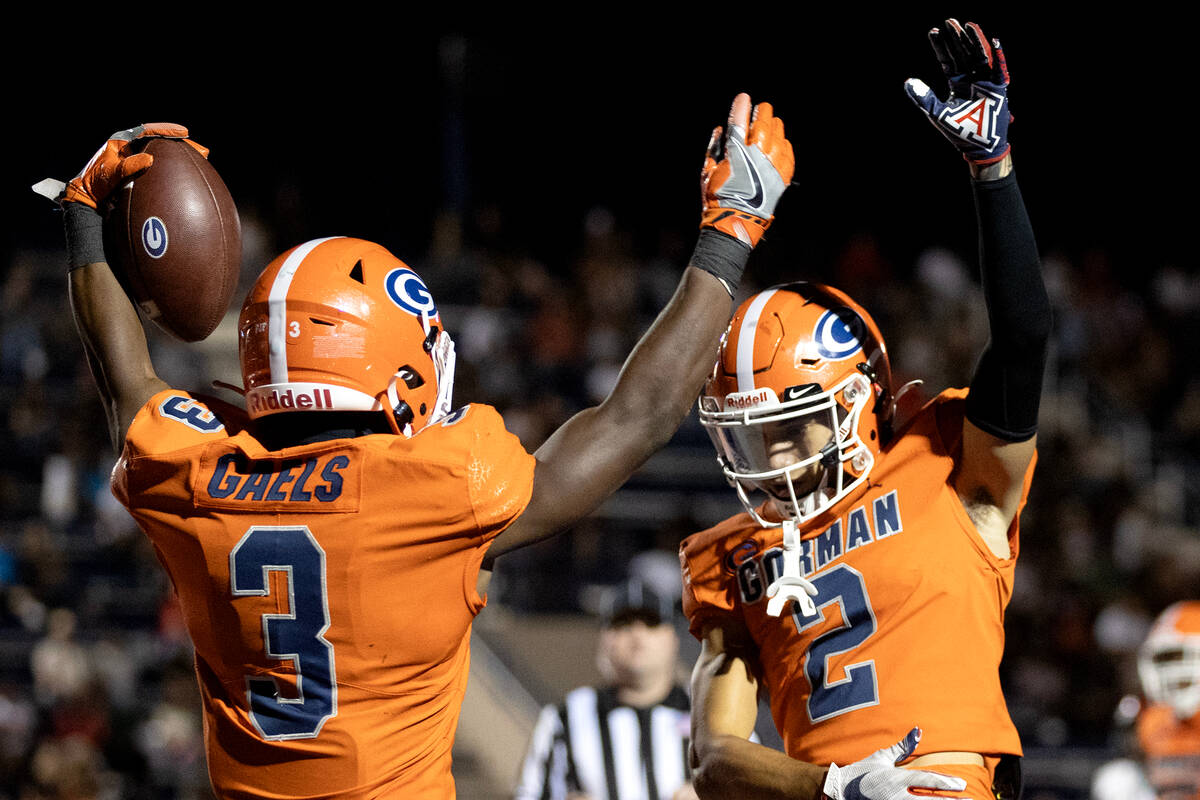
x,y
173,237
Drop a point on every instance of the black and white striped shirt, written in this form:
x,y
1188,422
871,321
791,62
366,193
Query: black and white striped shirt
x,y
591,743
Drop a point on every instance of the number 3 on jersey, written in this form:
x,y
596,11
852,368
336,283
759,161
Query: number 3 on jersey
x,y
296,636
842,585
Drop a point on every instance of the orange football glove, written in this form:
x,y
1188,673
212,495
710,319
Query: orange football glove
x,y
745,172
115,163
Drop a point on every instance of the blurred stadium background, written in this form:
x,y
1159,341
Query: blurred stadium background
x,y
543,182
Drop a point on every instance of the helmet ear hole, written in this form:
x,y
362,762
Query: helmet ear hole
x,y
410,377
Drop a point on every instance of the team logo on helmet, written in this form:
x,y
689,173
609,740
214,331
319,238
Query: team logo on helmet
x,y
838,333
407,290
154,237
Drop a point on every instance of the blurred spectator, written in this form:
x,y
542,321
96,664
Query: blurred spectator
x,y
72,768
18,725
60,665
171,737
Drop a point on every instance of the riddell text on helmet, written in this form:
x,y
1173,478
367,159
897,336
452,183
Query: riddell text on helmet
x,y
736,401
317,400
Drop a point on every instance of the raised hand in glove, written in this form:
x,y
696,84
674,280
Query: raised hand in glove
x,y
117,161
747,166
975,116
877,777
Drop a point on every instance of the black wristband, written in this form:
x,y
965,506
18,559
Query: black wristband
x,y
85,235
722,256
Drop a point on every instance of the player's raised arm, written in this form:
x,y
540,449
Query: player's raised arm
x,y
747,167
1000,430
112,334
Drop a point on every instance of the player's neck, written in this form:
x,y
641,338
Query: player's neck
x,y
294,429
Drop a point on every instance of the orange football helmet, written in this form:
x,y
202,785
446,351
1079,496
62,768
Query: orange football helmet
x,y
1169,659
800,399
341,324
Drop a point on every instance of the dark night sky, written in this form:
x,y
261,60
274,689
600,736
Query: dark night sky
x,y
352,114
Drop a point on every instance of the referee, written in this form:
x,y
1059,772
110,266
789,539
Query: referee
x,y
627,739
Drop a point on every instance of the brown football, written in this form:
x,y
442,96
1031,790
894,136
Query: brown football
x,y
174,239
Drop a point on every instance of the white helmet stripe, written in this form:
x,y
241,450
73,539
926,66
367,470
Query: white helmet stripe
x,y
745,346
277,305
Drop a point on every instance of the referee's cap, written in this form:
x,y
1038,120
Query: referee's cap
x,y
634,601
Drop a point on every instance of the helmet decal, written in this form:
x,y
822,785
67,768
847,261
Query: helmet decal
x,y
838,334
745,346
277,302
408,291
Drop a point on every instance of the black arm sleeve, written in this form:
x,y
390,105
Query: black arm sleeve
x,y
1007,386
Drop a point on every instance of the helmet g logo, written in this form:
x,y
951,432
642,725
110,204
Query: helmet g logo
x,y
154,237
838,334
407,290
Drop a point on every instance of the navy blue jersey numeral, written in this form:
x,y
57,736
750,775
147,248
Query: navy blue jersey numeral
x,y
190,413
859,688
296,636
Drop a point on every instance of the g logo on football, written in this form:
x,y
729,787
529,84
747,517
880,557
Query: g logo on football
x,y
154,237
838,334
407,290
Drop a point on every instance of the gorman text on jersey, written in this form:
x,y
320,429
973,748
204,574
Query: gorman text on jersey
x,y
863,525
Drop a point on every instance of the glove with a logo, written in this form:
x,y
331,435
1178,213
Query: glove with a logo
x,y
746,169
877,777
975,116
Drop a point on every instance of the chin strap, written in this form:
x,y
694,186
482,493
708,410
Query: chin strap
x,y
906,402
389,399
791,585
443,367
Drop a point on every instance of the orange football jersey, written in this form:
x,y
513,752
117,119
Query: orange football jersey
x,y
1171,749
329,589
909,628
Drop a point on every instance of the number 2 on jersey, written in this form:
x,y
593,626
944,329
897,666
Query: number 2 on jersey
x,y
296,635
859,689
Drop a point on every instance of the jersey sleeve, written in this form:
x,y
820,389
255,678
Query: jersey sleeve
x,y
950,414
170,421
499,473
709,592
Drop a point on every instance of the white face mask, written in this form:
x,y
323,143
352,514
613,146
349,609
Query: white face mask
x,y
804,453
1170,673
